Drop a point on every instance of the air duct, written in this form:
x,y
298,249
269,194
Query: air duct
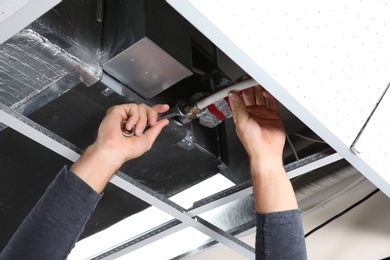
x,y
146,45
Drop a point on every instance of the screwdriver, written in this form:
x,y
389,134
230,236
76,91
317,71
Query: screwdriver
x,y
179,109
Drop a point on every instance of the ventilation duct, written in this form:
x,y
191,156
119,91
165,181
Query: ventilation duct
x,y
146,45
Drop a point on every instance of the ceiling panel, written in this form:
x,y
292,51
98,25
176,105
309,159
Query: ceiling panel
x,y
16,15
327,62
374,142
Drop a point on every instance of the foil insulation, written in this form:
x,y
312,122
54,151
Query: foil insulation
x,y
30,65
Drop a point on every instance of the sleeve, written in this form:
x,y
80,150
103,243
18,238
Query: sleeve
x,y
54,225
279,235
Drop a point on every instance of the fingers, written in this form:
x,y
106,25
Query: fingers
x,y
143,112
138,116
254,96
130,114
148,117
257,95
248,96
238,106
110,135
250,102
154,131
272,102
160,108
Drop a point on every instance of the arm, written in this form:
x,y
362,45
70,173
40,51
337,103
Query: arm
x,y
260,129
53,227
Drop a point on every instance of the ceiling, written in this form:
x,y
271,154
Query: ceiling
x,y
61,73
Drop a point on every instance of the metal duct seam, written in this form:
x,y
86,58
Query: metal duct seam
x,y
31,65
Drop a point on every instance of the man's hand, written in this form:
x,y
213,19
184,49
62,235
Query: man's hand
x,y
258,122
124,148
111,149
260,129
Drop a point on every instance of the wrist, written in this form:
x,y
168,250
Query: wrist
x,y
102,156
272,188
266,165
96,167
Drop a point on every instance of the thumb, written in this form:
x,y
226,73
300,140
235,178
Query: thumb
x,y
238,106
153,132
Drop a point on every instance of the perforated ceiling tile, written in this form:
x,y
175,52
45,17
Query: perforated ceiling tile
x,y
374,142
10,7
331,54
17,14
325,61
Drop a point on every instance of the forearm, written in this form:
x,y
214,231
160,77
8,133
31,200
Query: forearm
x,y
279,223
272,188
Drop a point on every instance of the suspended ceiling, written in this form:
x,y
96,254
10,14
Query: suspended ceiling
x,y
186,155
327,62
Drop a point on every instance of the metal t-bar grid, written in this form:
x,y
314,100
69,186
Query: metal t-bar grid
x,y
224,197
57,144
39,134
159,201
214,201
184,218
